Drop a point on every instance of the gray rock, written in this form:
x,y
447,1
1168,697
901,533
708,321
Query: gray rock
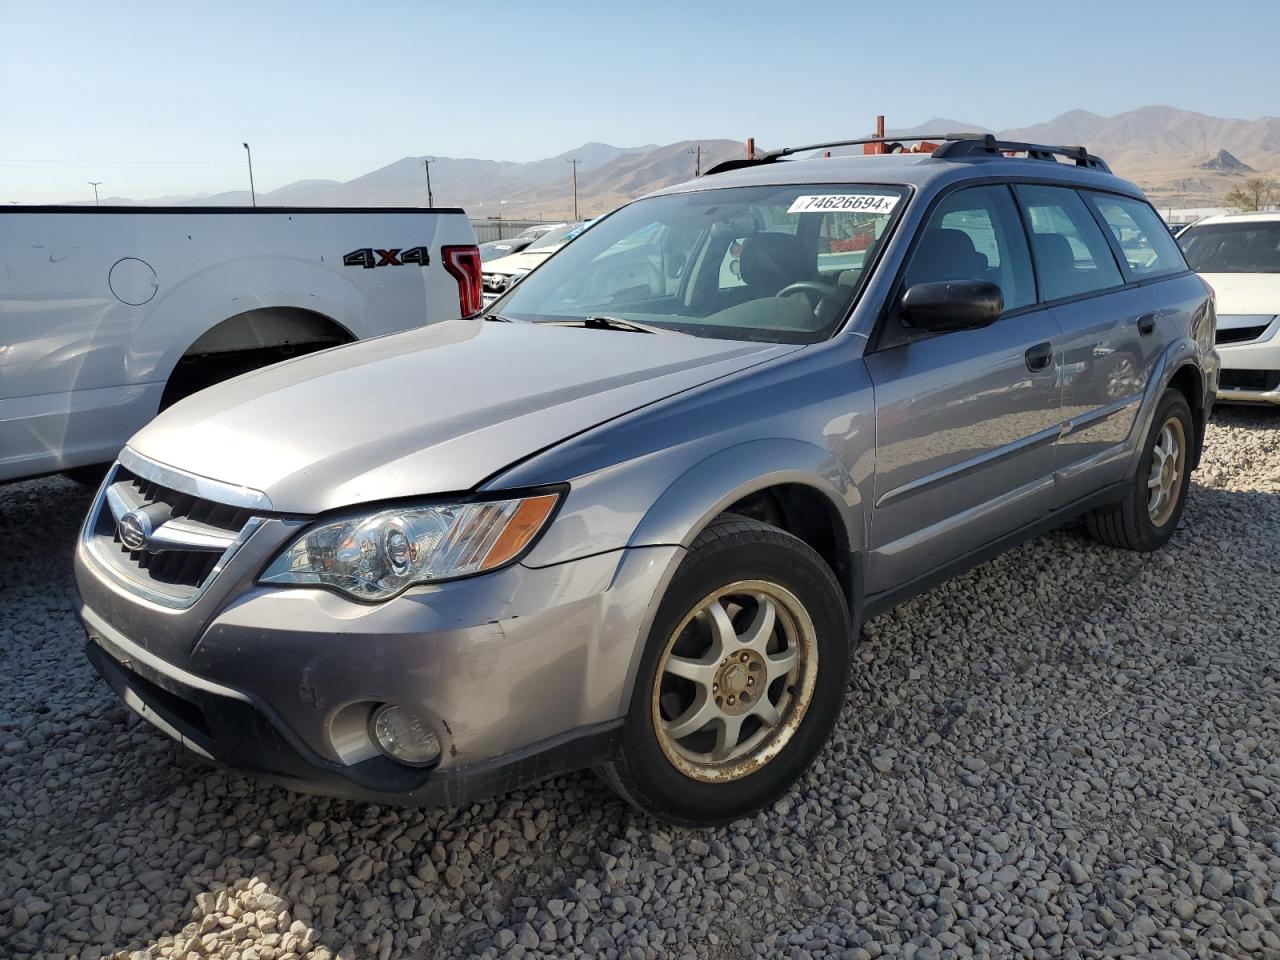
x,y
1019,754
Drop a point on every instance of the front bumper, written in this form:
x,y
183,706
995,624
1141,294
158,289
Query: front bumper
x,y
523,672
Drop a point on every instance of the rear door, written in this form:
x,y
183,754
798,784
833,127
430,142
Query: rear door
x,y
1151,258
965,421
1109,327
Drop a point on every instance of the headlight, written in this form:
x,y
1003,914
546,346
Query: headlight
x,y
374,556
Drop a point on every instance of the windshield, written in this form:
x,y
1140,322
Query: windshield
x,y
553,238
1244,247
777,263
536,231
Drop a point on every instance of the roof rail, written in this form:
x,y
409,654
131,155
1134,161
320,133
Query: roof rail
x,y
988,145
953,146
769,156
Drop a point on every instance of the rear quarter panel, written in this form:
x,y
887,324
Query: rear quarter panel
x,y
74,354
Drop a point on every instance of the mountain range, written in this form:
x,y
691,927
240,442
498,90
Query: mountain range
x,y
1179,157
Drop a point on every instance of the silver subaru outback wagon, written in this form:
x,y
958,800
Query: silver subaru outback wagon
x,y
632,516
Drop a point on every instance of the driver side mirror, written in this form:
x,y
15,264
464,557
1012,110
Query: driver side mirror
x,y
952,305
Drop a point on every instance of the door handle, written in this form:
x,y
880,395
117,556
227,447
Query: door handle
x,y
1147,324
1039,357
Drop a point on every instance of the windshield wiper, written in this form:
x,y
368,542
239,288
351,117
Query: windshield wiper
x,y
601,321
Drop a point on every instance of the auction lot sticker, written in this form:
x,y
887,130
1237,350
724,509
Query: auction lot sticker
x,y
851,202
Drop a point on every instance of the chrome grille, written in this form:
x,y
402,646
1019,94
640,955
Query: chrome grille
x,y
166,543
495,282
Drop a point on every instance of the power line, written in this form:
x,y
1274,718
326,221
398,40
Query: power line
x,y
186,163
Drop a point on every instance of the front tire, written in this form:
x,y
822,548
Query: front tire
x,y
1148,515
741,681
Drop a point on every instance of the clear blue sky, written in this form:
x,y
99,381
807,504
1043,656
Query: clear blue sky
x,y
156,98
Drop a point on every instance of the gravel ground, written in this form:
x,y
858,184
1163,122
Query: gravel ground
x,y
1070,752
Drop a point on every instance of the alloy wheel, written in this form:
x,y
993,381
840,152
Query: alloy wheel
x,y
1168,461
734,681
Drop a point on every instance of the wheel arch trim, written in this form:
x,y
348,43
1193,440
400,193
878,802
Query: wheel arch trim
x,y
710,486
1179,354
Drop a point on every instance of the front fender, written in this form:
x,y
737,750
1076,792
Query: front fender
x,y
707,488
710,486
666,498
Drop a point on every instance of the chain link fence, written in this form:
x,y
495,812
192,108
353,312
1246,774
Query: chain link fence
x,y
487,230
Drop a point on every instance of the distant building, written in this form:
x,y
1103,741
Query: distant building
x,y
1177,217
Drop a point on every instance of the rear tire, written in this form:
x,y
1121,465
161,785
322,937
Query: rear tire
x,y
752,635
1149,513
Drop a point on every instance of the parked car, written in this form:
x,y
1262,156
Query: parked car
x,y
111,314
1239,256
502,274
634,515
496,249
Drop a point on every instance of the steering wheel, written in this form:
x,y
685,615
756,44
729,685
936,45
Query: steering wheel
x,y
816,290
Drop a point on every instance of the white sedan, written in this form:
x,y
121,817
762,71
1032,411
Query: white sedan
x,y
1239,256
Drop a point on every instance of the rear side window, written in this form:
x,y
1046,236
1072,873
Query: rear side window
x,y
1149,250
1072,256
974,234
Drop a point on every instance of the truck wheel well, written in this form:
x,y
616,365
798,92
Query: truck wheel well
x,y
1186,380
804,513
248,341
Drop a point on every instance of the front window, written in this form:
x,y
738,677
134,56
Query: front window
x,y
777,263
975,234
1242,247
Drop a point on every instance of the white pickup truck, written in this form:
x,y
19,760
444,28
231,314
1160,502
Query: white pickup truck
x,y
110,314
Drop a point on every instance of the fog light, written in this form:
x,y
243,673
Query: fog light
x,y
404,736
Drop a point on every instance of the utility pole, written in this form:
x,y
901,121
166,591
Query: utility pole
x,y
575,161
253,194
95,184
697,160
426,165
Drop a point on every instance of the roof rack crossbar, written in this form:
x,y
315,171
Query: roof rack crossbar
x,y
952,146
989,145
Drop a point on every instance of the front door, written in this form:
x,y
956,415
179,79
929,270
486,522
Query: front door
x,y
965,421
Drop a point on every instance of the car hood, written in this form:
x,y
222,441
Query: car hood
x,y
1245,293
521,262
433,410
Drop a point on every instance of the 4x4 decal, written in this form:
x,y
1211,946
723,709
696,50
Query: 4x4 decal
x,y
369,258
